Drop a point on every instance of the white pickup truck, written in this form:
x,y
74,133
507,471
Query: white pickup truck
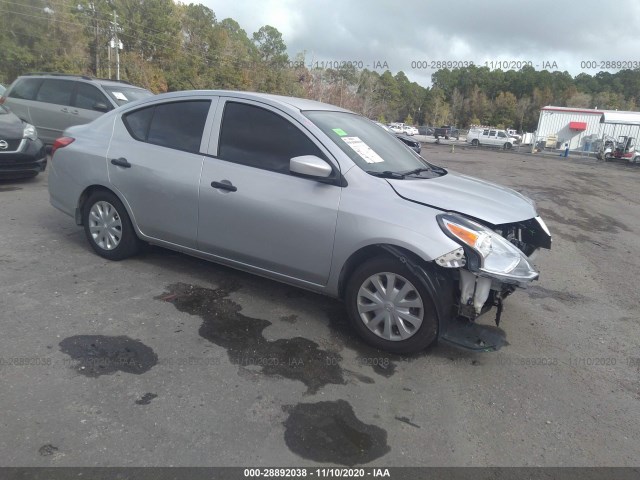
x,y
491,137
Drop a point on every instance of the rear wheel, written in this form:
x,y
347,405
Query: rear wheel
x,y
108,227
475,142
390,308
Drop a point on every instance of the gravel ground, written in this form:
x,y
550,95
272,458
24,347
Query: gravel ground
x,y
167,360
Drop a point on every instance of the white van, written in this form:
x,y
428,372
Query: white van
x,y
490,137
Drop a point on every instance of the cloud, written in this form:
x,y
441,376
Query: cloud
x,y
400,33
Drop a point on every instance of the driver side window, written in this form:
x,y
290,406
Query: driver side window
x,y
88,96
259,138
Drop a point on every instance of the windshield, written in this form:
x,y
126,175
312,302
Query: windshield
x,y
124,94
370,147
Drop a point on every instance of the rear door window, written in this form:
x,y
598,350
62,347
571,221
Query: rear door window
x,y
55,91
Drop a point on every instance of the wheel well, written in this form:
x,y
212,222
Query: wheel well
x,y
83,198
366,253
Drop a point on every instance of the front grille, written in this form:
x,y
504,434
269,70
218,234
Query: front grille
x,y
12,145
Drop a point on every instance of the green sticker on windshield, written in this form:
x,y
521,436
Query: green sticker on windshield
x,y
340,132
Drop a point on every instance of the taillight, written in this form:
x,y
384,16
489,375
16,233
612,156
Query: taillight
x,y
61,143
2,99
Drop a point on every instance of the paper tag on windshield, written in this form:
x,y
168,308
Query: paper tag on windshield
x,y
120,96
362,149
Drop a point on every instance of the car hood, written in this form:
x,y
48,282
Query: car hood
x,y
470,196
11,127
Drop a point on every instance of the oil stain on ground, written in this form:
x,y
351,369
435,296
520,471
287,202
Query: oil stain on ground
x,y
566,297
330,432
95,355
242,336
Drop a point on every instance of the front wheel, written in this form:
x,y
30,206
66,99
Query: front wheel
x,y
507,146
475,142
108,227
390,308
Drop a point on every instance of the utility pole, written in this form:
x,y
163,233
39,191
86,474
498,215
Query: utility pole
x,y
97,45
117,44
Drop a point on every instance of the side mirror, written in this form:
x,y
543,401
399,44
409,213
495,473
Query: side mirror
x,y
310,166
101,107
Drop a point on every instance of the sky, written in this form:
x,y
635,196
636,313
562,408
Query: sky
x,y
411,36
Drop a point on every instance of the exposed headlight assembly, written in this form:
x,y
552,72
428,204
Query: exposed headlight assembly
x,y
488,253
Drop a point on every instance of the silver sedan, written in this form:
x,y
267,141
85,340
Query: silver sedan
x,y
305,193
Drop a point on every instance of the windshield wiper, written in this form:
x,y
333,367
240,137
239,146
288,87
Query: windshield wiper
x,y
386,174
418,170
432,168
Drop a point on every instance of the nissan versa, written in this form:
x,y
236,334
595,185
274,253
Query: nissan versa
x,y
305,193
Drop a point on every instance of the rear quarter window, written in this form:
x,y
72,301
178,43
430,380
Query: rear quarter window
x,y
26,88
177,125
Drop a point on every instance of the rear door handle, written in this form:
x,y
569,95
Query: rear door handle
x,y
225,185
120,162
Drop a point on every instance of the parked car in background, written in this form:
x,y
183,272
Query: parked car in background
x,y
447,131
490,137
306,193
424,130
409,130
514,134
408,141
53,102
22,154
396,127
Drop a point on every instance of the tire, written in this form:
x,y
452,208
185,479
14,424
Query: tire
x,y
475,142
446,137
119,240
382,315
507,146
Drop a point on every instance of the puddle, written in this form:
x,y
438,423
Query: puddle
x,y
330,432
242,336
47,450
146,399
95,355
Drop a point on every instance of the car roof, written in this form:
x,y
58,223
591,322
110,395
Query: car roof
x,y
101,81
300,104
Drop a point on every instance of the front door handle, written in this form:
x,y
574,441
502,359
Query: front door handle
x,y
121,162
225,185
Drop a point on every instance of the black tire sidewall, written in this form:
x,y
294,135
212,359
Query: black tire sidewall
x,y
427,333
129,243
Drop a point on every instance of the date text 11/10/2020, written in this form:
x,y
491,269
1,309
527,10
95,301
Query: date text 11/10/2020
x,y
492,64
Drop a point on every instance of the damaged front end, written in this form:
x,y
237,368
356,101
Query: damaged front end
x,y
490,263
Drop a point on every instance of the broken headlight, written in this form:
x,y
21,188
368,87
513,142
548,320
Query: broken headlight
x,y
488,252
